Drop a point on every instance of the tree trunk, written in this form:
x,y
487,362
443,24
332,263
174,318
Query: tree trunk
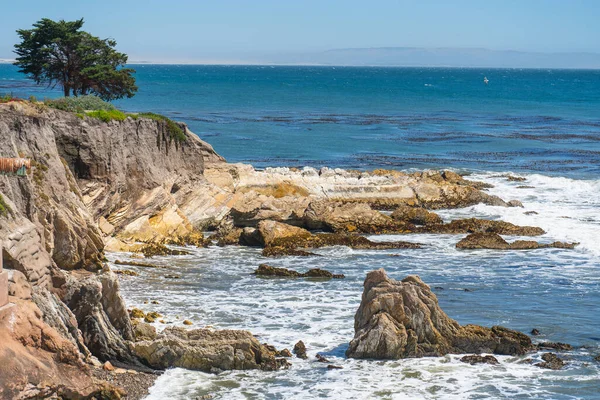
x,y
67,90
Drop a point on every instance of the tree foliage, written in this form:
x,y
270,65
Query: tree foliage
x,y
59,53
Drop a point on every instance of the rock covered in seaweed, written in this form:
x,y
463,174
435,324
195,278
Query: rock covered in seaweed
x,y
267,270
490,240
402,319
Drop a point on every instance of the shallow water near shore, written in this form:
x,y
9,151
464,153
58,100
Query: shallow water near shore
x,y
556,291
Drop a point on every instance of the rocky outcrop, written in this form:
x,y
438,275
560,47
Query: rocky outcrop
x,y
403,319
476,225
268,270
267,232
551,361
416,216
207,350
489,240
343,217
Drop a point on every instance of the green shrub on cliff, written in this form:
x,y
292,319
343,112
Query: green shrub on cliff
x,y
80,104
4,208
173,129
107,115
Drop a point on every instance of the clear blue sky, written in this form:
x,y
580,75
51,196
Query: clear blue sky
x,y
229,30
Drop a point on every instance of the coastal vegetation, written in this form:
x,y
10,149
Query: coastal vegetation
x,y
60,53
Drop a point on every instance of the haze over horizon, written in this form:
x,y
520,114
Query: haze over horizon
x,y
536,33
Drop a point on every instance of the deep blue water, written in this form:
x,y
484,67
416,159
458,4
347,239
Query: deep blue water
x,y
545,121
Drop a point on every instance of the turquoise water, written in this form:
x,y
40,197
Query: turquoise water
x,y
544,121
541,124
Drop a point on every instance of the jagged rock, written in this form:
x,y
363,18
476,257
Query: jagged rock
x,y
597,358
267,270
530,213
101,316
535,332
342,217
125,272
137,313
513,178
300,350
138,264
416,216
551,361
295,244
555,345
479,359
269,231
496,242
107,366
284,353
475,225
515,203
331,366
154,249
403,319
321,358
143,331
206,349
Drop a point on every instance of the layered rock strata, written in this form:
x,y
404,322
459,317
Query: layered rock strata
x,y
402,319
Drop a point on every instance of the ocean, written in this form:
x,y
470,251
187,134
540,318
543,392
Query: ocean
x,y
542,125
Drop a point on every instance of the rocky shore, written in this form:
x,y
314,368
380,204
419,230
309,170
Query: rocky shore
x,y
127,186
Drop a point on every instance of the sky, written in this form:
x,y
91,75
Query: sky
x,y
236,30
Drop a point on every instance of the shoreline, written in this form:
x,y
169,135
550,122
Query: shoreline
x,y
160,192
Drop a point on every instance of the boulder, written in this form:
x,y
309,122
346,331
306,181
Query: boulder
x,y
143,331
551,361
300,350
416,216
403,319
479,359
267,270
494,241
340,217
269,231
206,350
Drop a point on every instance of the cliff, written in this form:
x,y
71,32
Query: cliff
x,y
114,185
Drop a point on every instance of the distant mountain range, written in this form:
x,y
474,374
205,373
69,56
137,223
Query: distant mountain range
x,y
412,57
445,57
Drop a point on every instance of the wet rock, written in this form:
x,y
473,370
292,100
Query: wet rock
x,y
551,361
597,358
284,353
535,332
555,346
138,264
143,331
475,225
331,366
300,350
151,250
479,359
193,238
515,203
494,241
268,270
136,313
322,359
125,272
416,216
401,319
294,245
530,213
513,178
152,317
172,276
205,350
187,322
154,302
525,187
282,251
